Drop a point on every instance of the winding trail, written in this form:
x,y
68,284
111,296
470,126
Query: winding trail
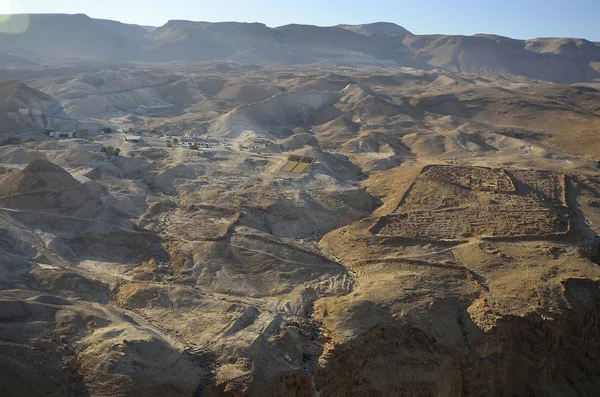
x,y
13,210
261,253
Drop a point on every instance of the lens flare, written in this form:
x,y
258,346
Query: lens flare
x,y
12,18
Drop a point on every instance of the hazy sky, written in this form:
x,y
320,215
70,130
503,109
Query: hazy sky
x,y
513,18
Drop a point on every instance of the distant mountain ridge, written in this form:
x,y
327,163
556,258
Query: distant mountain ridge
x,y
59,37
62,36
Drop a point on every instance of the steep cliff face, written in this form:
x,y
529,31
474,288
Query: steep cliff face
x,y
530,355
372,349
480,316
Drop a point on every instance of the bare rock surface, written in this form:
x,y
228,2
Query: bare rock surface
x,y
440,238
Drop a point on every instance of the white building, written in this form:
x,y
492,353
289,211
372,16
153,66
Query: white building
x,y
60,134
30,112
132,138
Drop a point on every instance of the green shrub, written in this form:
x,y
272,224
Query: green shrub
x,y
110,150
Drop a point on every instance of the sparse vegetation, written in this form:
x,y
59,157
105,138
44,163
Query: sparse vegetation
x,y
8,140
81,133
27,140
110,150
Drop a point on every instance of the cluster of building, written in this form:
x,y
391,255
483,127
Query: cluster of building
x,y
175,134
196,145
194,141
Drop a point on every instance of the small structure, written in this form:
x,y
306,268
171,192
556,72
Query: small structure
x,y
297,164
259,143
31,112
60,134
255,144
132,139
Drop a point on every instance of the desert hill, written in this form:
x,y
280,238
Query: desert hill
x,y
322,211
278,115
21,94
11,154
14,96
131,31
385,28
247,94
573,48
544,116
562,60
203,41
39,174
109,91
8,60
52,36
275,116
484,54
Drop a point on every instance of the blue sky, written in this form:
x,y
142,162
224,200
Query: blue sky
x,y
518,19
